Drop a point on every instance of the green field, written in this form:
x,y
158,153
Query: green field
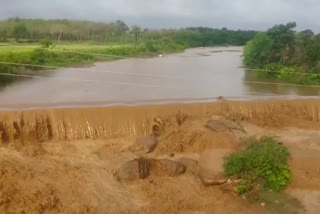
x,y
59,55
122,50
68,54
64,55
73,53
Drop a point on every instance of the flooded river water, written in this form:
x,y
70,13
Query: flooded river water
x,y
199,74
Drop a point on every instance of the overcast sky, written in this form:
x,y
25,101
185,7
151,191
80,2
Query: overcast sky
x,y
233,14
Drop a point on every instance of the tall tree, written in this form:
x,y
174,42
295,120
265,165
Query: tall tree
x,y
257,52
123,27
136,31
20,31
283,37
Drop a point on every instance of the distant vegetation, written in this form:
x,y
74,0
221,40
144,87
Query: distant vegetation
x,y
34,30
284,54
38,41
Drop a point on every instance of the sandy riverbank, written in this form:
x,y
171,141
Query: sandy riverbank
x,y
63,160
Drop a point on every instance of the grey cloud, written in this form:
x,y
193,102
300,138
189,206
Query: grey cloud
x,y
234,14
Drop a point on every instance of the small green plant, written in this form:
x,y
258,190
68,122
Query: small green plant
x,y
242,187
46,43
263,163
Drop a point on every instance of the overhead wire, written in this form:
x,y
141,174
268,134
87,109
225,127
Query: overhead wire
x,y
283,84
81,80
244,94
140,84
138,74
127,57
271,71
132,73
115,72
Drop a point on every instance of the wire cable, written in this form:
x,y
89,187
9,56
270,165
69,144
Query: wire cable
x,y
115,72
128,73
126,57
284,84
270,71
79,80
148,85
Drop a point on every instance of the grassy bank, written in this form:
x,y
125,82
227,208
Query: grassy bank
x,y
293,74
71,54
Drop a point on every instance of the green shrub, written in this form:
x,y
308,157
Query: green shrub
x,y
242,188
163,46
291,73
257,51
264,163
46,43
270,70
288,73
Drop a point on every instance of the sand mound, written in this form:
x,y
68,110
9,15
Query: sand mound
x,y
60,183
193,137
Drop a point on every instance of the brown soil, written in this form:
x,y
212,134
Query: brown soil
x,y
63,161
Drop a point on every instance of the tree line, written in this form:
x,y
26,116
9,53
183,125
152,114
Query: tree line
x,y
285,54
33,30
75,30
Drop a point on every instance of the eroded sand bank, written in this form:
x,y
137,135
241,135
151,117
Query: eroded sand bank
x,y
63,160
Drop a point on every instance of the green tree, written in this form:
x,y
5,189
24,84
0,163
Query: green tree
x,y
136,31
3,35
281,53
76,30
258,51
283,37
308,48
20,31
312,51
122,26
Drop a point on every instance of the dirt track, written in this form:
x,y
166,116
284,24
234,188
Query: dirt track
x,y
63,161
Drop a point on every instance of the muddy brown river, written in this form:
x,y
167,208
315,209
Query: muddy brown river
x,y
200,74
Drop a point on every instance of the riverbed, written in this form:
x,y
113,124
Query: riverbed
x,y
197,75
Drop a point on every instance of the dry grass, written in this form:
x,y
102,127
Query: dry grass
x,y
110,122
